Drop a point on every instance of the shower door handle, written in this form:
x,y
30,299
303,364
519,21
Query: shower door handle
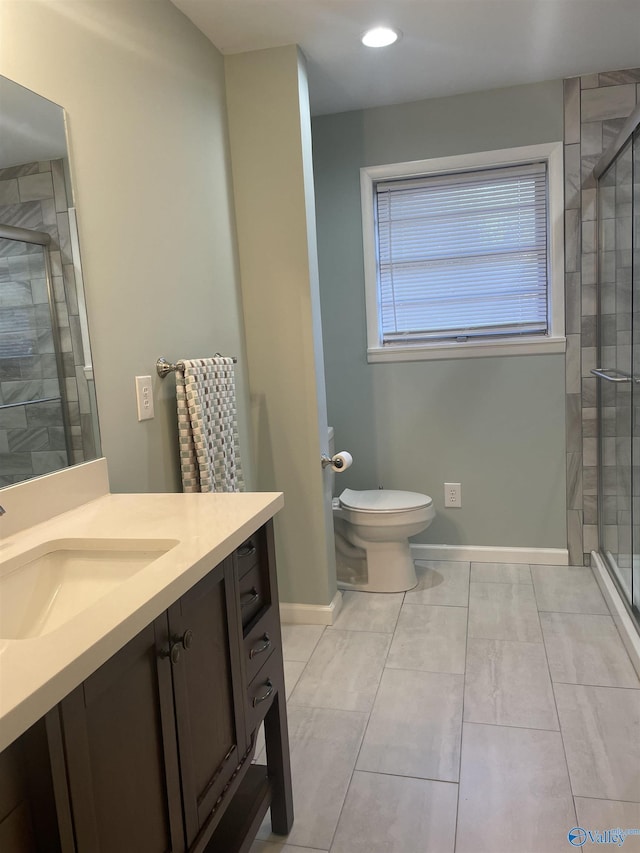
x,y
604,373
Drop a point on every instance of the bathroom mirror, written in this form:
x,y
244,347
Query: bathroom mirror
x,y
48,412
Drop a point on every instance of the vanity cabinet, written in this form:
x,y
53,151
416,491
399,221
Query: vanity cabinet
x,y
153,752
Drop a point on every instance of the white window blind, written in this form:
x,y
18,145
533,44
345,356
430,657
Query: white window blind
x,y
463,255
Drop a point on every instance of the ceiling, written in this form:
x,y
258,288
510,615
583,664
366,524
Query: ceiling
x,y
448,46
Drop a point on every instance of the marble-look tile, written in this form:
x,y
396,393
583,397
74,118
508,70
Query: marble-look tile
x,y
601,733
589,81
599,815
608,102
415,726
299,641
440,582
514,791
431,638
586,649
574,480
508,684
567,589
572,110
46,461
572,240
391,814
366,611
615,78
503,611
36,187
500,573
324,747
572,177
9,192
344,671
572,365
59,186
573,416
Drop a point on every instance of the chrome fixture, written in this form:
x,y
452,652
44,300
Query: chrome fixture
x,y
165,367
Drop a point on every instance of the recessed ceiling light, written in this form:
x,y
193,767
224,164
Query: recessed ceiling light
x,y
380,37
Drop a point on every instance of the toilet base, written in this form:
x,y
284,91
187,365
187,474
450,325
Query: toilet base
x,y
389,568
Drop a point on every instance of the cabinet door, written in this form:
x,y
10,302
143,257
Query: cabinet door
x,y
122,765
207,692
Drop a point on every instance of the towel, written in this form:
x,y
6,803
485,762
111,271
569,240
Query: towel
x,y
208,426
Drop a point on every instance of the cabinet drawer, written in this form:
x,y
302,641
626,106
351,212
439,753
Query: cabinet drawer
x,y
254,594
262,690
260,642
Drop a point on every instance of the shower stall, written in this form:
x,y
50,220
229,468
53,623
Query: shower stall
x,y
618,370
34,425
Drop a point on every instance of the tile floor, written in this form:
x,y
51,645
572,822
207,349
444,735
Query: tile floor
x,y
489,710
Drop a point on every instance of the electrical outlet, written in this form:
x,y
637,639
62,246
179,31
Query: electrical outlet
x,y
452,495
144,398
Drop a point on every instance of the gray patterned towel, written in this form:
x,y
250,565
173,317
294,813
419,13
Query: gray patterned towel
x,y
208,426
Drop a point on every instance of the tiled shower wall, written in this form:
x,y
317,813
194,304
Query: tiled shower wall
x,y
34,196
595,107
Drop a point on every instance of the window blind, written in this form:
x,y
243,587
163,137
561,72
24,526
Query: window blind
x,y
463,255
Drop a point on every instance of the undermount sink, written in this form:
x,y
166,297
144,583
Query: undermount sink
x,y
43,588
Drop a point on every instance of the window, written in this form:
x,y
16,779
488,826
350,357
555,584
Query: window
x,y
463,255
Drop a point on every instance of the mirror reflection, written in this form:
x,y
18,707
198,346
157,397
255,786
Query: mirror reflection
x,y
48,413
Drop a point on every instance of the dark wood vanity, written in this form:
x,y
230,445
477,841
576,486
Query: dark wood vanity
x,y
155,752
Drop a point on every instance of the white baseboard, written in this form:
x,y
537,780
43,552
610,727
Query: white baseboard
x,y
488,554
311,614
625,626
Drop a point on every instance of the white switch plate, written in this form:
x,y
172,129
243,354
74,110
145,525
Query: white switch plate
x,y
144,398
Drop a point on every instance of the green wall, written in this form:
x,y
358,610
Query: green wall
x,y
496,424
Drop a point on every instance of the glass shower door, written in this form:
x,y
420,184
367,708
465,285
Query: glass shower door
x,y
615,372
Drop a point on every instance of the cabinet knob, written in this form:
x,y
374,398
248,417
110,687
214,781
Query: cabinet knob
x,y
187,639
257,650
173,652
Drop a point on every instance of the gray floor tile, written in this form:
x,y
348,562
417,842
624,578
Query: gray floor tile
x,y
429,638
392,814
440,582
415,726
514,792
343,672
567,589
281,847
503,611
366,611
601,732
299,641
600,815
586,649
324,747
292,671
500,573
508,684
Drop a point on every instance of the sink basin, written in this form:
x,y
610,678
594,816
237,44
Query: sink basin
x,y
43,588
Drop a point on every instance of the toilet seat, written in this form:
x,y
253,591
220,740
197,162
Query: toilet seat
x,y
381,501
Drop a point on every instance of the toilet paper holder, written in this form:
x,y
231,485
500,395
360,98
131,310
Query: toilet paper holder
x,y
336,462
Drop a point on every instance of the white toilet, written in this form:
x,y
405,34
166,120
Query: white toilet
x,y
372,529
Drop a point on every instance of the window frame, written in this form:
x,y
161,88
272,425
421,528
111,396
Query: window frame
x,y
553,342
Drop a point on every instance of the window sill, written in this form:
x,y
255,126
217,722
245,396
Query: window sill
x,y
469,349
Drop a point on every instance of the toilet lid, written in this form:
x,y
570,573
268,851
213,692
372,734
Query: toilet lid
x,y
383,500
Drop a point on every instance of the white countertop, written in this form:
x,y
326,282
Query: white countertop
x,y
36,673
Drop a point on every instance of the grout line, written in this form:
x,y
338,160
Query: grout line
x,y
364,733
464,690
564,748
603,686
406,776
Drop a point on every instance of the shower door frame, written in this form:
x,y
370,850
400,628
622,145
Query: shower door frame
x,y
625,136
41,238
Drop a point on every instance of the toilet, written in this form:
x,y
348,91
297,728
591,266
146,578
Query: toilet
x,y
372,529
